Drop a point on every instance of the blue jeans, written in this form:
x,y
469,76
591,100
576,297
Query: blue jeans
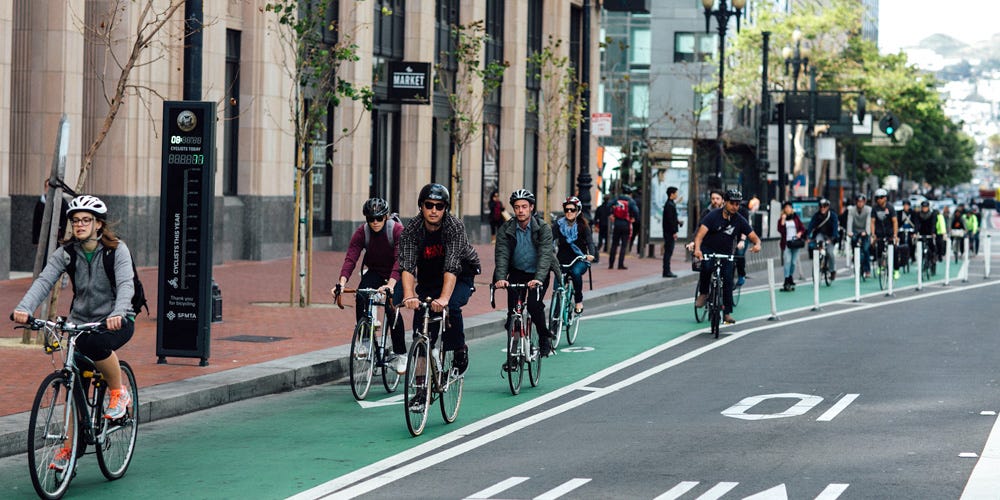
x,y
791,255
576,274
863,243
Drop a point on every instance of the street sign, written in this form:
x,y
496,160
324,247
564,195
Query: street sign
x,y
600,124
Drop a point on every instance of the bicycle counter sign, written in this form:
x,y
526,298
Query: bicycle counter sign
x,y
186,214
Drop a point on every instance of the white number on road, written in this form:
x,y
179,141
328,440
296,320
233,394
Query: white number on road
x,y
806,402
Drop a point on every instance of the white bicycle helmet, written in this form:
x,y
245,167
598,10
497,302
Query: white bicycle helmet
x,y
87,203
881,193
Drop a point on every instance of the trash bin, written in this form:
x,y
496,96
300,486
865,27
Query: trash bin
x,y
216,303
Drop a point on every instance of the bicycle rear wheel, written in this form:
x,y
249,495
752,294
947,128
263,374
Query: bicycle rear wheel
x,y
362,359
557,316
53,414
573,328
515,368
386,357
417,388
700,313
116,442
533,357
451,397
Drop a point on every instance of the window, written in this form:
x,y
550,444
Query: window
x,y
703,103
388,28
231,126
494,46
444,42
694,47
534,82
640,50
639,96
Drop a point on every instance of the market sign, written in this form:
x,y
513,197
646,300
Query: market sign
x,y
409,82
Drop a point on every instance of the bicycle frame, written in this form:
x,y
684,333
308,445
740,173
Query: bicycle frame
x,y
435,386
519,348
363,363
561,317
716,288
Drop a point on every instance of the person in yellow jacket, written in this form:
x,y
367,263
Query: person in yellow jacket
x,y
940,229
971,221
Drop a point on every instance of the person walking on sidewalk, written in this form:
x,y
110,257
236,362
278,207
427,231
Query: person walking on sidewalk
x,y
623,212
496,215
601,216
671,225
573,238
719,232
524,255
792,240
379,238
437,260
95,298
823,228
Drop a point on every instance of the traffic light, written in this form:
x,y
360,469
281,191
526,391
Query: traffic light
x,y
889,124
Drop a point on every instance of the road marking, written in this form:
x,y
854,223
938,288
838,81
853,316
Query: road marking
x,y
563,489
576,349
779,492
832,492
676,492
393,400
395,467
739,410
837,408
984,482
717,491
498,488
967,454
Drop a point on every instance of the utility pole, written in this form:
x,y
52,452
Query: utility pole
x,y
583,180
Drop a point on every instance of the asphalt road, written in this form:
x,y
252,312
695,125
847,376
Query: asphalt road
x,y
879,399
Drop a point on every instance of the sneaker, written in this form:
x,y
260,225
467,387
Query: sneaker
x,y
118,406
400,364
362,349
895,275
461,361
700,301
741,281
833,275
728,319
417,403
61,460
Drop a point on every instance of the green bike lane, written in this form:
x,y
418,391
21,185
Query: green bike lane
x,y
280,445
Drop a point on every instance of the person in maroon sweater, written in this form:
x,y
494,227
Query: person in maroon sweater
x,y
380,266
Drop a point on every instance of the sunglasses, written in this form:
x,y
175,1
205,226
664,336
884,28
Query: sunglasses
x,y
430,205
569,210
371,219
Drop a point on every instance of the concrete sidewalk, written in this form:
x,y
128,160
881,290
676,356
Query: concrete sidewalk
x,y
263,345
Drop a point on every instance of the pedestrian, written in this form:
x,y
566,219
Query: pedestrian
x,y
624,211
496,215
601,216
792,233
671,226
636,222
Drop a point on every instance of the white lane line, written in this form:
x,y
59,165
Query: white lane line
x,y
369,480
498,488
676,492
837,408
717,491
563,489
832,491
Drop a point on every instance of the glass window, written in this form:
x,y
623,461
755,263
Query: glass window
x,y
694,47
640,104
640,50
388,28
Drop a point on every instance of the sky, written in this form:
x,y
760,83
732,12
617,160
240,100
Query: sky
x,y
904,23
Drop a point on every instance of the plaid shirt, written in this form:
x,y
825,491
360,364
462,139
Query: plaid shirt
x,y
459,256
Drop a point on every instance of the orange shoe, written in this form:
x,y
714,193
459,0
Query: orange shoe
x,y
118,406
61,460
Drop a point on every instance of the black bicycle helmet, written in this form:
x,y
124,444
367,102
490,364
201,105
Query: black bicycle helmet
x,y
925,203
375,207
860,197
434,192
824,202
87,203
522,194
733,195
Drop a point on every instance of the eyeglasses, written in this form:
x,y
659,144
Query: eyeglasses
x,y
569,210
85,221
371,218
430,205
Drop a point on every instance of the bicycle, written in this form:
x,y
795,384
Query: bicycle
x,y
370,344
903,251
443,385
882,268
68,412
957,243
856,242
714,304
825,269
562,315
522,346
929,255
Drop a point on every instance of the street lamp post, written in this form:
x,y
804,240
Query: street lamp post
x,y
798,60
722,15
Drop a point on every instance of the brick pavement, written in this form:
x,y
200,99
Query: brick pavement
x,y
252,294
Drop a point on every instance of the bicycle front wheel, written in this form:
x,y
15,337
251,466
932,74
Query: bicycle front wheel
x,y
451,395
573,328
715,309
533,357
883,273
417,388
50,425
362,359
116,442
699,312
390,377
515,368
557,316
824,265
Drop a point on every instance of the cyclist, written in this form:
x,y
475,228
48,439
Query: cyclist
x,y
719,232
884,226
958,230
573,238
714,201
823,227
941,229
858,221
436,260
971,220
95,298
926,225
792,233
379,238
523,254
907,228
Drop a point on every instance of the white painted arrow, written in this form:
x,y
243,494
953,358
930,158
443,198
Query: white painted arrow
x,y
394,400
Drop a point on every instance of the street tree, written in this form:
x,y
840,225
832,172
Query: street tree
x,y
315,52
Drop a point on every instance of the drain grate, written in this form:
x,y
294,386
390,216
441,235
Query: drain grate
x,y
263,339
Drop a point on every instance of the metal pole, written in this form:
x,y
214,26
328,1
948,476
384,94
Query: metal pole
x,y
583,180
782,176
965,260
720,148
193,26
857,276
947,260
986,255
765,118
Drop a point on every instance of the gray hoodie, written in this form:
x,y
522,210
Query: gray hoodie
x,y
96,300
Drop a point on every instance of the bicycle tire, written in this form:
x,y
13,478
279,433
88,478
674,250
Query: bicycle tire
x,y
715,308
417,356
451,395
47,428
362,363
700,313
116,444
533,357
515,368
386,357
737,291
883,272
573,329
557,315
824,265
930,265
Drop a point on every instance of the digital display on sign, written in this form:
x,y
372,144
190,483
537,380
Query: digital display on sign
x,y
186,215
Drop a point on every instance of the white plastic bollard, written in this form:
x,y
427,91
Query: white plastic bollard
x,y
986,256
965,260
816,279
857,276
947,261
920,264
770,288
891,271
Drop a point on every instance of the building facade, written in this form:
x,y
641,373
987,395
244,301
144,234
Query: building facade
x,y
52,64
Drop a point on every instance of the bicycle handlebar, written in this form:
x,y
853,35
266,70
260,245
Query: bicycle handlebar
x,y
573,262
717,256
62,324
340,302
516,286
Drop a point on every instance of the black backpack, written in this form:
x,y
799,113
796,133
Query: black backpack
x,y
108,254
